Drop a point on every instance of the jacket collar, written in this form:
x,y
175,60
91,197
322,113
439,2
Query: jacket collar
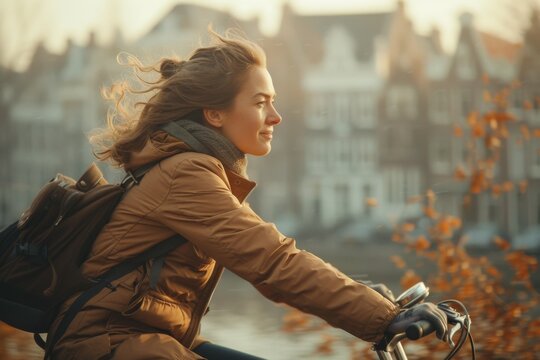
x,y
240,186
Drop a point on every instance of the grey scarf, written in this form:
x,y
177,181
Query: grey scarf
x,y
206,140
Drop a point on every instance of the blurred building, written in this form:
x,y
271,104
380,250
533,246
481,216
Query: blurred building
x,y
369,107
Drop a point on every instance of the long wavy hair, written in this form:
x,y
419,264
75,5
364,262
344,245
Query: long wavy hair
x,y
209,78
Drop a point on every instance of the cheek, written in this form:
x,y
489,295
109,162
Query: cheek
x,y
248,124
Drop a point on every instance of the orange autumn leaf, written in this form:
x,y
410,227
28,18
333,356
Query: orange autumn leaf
x,y
493,124
496,190
492,142
485,79
508,186
459,173
501,243
527,104
430,212
472,118
408,227
523,186
478,130
398,261
477,182
421,243
396,237
465,270
442,285
492,270
372,202
455,222
409,279
294,320
444,227
499,116
503,132
487,96
536,132
326,345
522,263
458,131
430,194
414,199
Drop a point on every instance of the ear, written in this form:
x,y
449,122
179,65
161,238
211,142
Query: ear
x,y
213,117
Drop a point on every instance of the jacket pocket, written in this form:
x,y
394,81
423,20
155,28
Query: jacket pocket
x,y
93,348
157,313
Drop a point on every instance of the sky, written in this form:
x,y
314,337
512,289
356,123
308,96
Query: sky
x,y
25,22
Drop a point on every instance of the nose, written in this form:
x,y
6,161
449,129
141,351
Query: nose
x,y
273,117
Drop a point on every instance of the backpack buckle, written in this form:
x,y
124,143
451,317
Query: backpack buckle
x,y
129,177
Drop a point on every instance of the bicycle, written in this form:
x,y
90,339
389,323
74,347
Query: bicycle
x,y
390,347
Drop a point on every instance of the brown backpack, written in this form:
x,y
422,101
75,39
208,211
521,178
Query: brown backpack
x,y
41,253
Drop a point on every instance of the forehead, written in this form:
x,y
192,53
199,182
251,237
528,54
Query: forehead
x,y
258,80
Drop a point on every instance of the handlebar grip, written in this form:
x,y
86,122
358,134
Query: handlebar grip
x,y
419,329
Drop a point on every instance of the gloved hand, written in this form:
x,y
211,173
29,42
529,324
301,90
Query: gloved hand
x,y
424,311
381,289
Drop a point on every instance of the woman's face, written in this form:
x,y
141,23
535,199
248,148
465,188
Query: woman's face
x,y
250,121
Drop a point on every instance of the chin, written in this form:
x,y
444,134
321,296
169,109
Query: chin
x,y
261,151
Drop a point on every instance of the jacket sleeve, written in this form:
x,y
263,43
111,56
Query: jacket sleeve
x,y
201,207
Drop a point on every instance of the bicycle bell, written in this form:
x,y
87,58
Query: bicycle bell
x,y
413,295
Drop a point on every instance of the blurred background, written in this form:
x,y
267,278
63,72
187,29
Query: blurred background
x,y
371,94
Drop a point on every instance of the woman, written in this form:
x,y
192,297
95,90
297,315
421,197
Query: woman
x,y
223,97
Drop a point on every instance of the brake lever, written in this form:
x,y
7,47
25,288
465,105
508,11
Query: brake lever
x,y
455,318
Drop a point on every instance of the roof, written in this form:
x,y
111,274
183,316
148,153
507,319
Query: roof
x,y
498,48
184,16
364,28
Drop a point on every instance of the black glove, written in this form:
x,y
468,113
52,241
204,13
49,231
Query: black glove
x,y
381,289
425,311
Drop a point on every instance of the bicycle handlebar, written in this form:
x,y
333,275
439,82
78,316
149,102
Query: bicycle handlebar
x,y
419,329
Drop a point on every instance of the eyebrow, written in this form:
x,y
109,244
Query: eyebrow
x,y
264,95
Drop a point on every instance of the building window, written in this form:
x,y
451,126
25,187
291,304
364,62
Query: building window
x,y
343,154
362,153
401,184
463,103
339,118
412,184
394,186
317,111
401,102
439,107
362,110
440,155
460,152
464,62
315,154
342,201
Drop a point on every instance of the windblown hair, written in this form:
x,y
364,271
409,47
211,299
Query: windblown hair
x,y
210,78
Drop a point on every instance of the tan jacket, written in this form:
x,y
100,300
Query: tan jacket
x,y
194,195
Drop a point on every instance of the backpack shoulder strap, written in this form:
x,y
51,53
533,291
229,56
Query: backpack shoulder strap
x,y
116,272
135,176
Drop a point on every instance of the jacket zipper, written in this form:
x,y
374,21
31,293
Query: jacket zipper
x,y
200,308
